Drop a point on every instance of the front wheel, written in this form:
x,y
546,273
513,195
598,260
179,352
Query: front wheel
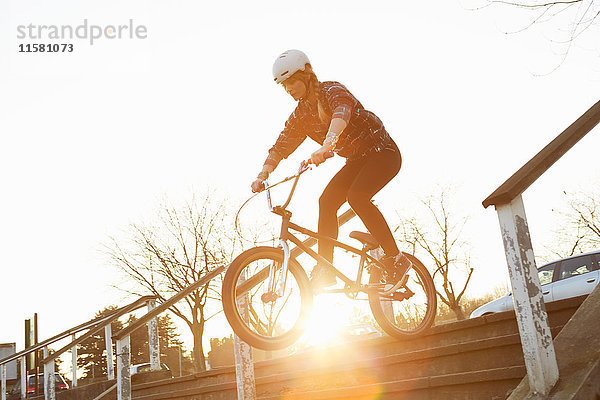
x,y
411,309
256,316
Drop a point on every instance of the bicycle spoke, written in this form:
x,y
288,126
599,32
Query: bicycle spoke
x,y
276,314
253,281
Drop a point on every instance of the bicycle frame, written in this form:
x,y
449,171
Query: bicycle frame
x,y
285,236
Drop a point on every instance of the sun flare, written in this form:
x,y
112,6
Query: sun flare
x,y
326,322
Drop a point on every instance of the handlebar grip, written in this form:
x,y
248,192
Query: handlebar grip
x,y
257,188
326,156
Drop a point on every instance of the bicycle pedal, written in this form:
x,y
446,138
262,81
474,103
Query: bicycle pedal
x,y
269,297
400,296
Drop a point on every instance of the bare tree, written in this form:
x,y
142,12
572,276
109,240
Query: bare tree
x,y
568,19
578,228
440,237
179,248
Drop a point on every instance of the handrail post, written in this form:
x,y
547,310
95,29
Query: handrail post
x,y
49,390
123,365
23,377
244,367
180,370
3,380
110,372
73,363
153,339
532,319
49,382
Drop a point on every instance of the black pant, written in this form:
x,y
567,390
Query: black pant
x,y
357,182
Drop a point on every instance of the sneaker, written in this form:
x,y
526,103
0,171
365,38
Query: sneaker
x,y
396,267
322,277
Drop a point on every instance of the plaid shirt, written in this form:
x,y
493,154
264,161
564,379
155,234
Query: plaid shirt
x,y
363,134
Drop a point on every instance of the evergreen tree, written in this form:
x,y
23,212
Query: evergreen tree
x,y
92,352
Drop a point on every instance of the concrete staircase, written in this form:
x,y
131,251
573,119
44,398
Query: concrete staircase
x,y
473,359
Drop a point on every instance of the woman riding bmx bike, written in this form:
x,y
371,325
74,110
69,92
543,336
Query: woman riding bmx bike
x,y
266,293
330,115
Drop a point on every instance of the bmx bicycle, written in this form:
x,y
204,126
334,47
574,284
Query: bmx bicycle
x,y
267,295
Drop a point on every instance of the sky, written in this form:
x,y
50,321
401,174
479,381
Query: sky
x,y
91,140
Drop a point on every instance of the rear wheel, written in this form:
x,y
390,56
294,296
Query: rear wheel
x,y
411,309
257,316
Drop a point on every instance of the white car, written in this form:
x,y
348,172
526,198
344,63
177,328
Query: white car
x,y
145,367
561,279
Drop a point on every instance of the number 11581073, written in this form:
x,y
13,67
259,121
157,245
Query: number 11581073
x,y
46,48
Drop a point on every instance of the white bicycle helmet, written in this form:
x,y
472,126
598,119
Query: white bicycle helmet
x,y
288,63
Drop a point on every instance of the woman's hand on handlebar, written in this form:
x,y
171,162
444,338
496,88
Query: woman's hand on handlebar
x,y
316,158
259,183
321,155
258,186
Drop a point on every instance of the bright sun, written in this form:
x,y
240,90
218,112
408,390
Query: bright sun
x,y
328,318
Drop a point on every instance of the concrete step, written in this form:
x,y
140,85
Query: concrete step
x,y
485,354
422,367
487,384
476,385
465,350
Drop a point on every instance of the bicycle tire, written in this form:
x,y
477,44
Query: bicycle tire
x,y
397,323
297,278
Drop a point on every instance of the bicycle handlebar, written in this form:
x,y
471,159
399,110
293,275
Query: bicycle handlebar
x,y
304,166
326,156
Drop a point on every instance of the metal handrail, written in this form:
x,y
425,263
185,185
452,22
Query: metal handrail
x,y
164,306
60,336
530,172
100,326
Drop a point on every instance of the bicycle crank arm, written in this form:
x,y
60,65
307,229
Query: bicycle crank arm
x,y
398,296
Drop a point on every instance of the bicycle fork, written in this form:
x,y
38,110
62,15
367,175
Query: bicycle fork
x,y
284,269
283,243
272,293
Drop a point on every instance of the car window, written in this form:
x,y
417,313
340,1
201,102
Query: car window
x,y
596,261
576,266
57,378
144,368
31,382
546,274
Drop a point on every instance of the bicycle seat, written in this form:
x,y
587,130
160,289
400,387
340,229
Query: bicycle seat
x,y
365,238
